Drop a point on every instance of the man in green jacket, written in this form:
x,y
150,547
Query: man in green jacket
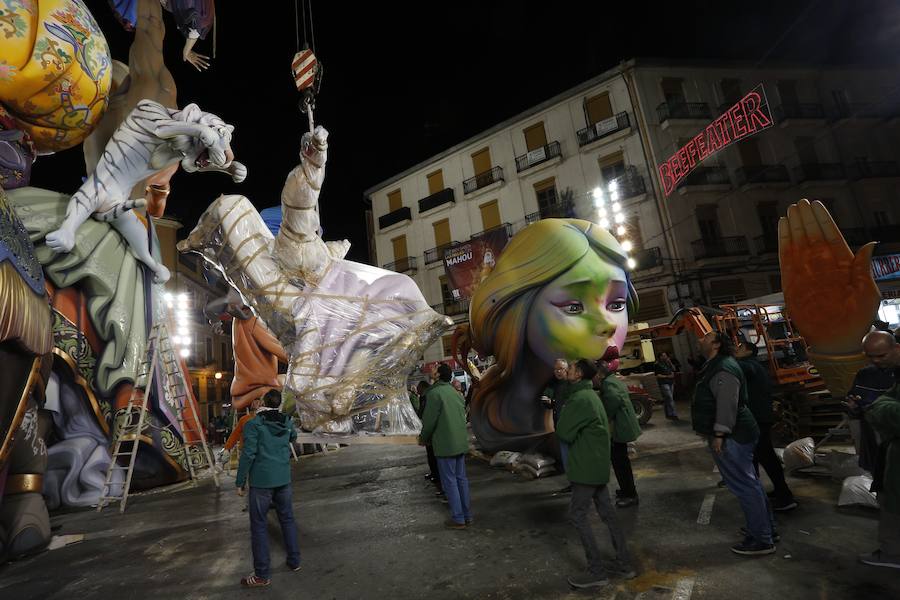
x,y
624,426
444,427
719,413
266,462
884,417
583,426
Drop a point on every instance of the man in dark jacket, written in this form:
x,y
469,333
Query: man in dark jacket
x,y
759,392
554,399
719,413
266,462
623,426
432,476
444,427
583,425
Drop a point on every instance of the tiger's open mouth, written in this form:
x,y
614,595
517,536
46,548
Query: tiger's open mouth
x,y
202,160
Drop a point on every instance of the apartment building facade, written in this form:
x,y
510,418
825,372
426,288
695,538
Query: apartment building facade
x,y
713,240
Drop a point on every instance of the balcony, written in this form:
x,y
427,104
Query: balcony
x,y
557,210
402,265
436,199
456,307
433,255
537,156
766,244
864,169
682,110
392,218
482,180
819,172
786,112
630,184
602,129
647,258
761,175
720,248
703,176
507,226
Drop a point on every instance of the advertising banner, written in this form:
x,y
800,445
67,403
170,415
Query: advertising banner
x,y
468,264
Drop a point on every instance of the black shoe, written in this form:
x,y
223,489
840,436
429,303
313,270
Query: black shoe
x,y
443,499
784,505
292,568
721,483
750,547
626,501
617,570
429,476
775,537
565,490
587,580
619,494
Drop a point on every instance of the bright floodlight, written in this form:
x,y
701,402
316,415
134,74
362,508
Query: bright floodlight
x,y
601,212
613,185
616,207
598,194
626,245
604,223
631,263
218,375
620,230
620,218
184,352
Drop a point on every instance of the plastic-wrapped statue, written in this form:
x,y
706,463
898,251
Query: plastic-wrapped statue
x,y
560,289
352,331
150,139
829,292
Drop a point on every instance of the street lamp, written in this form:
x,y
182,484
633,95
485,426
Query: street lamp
x,y
218,375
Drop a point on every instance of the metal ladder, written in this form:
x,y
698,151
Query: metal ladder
x,y
159,352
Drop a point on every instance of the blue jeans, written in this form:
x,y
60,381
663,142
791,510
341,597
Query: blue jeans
x,y
260,501
736,467
456,486
668,399
564,454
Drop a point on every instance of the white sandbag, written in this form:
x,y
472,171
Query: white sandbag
x,y
799,454
855,492
538,461
505,458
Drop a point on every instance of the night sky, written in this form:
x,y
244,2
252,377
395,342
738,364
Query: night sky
x,y
404,81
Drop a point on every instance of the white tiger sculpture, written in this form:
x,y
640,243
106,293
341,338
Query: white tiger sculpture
x,y
151,138
352,331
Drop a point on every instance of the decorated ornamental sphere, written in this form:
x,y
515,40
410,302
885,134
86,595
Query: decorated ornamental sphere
x,y
55,70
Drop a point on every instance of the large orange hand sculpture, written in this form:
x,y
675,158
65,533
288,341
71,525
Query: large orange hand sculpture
x,y
829,292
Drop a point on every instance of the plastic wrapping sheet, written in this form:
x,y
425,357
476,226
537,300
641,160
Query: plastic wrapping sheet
x,y
352,331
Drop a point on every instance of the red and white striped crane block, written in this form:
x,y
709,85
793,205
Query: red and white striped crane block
x,y
305,67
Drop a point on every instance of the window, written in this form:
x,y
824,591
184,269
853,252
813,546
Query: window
x,y
535,136
490,215
612,166
395,202
653,305
597,108
731,90
632,234
446,292
209,351
447,345
727,291
672,90
749,151
441,232
708,222
481,161
547,197
768,219
806,150
435,182
399,244
224,356
787,91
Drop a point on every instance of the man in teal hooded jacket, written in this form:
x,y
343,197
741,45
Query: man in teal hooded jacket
x,y
266,462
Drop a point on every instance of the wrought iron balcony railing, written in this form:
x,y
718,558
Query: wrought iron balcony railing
x,y
804,110
603,128
436,199
720,247
392,218
761,174
402,265
819,172
482,180
682,110
537,156
707,176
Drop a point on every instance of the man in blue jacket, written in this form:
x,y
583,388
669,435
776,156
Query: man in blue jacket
x,y
266,459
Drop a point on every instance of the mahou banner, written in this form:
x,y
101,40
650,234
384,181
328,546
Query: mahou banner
x,y
468,264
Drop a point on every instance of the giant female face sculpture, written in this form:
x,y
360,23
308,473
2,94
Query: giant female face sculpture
x,y
559,289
